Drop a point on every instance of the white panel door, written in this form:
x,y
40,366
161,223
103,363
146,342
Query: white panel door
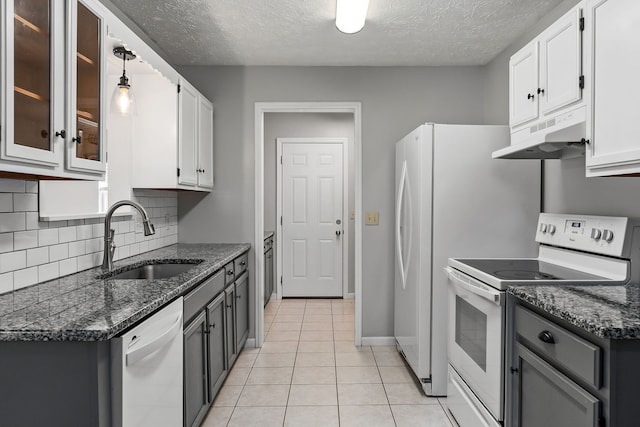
x,y
312,197
188,133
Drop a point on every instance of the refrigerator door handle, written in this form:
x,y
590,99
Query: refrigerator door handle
x,y
399,242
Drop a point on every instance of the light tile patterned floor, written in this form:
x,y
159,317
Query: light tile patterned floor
x,y
309,373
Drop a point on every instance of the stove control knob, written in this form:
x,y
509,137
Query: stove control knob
x,y
552,229
607,235
543,228
596,234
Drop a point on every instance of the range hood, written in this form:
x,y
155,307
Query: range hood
x,y
559,137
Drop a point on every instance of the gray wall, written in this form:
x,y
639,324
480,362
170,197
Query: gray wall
x,y
394,101
308,125
566,189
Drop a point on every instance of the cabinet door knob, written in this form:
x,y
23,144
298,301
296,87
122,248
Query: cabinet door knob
x,y
540,91
545,336
78,139
230,272
238,296
243,263
229,306
514,370
213,325
62,134
530,96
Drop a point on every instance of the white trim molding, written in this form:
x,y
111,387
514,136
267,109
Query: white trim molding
x,y
260,109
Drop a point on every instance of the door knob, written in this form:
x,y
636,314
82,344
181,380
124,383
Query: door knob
x,y
338,233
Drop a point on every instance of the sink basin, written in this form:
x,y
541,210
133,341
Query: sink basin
x,y
152,271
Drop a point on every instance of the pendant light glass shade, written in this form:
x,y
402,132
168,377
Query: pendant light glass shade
x,y
351,15
123,100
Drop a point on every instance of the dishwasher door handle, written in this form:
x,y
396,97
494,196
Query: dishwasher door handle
x,y
135,355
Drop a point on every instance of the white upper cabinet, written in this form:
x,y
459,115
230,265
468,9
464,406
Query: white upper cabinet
x,y
187,134
205,143
173,135
612,32
545,76
523,84
43,107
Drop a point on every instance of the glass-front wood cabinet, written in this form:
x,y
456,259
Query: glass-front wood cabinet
x,y
52,89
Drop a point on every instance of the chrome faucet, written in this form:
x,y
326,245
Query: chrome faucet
x,y
109,233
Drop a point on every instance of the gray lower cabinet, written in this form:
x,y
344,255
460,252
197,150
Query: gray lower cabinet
x,y
216,328
195,371
546,397
230,310
216,345
242,310
560,375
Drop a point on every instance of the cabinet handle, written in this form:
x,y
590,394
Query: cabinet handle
x,y
540,91
230,305
78,139
238,296
62,134
530,96
213,325
230,273
243,263
545,336
514,370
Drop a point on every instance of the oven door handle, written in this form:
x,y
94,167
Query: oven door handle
x,y
471,285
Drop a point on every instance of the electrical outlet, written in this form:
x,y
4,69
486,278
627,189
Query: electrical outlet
x,y
372,218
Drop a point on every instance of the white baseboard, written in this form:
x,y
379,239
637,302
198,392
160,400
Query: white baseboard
x,y
251,343
375,341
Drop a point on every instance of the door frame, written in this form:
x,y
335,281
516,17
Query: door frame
x,y
345,205
260,109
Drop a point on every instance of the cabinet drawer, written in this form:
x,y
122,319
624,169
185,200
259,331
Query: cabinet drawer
x,y
576,355
240,264
229,273
199,297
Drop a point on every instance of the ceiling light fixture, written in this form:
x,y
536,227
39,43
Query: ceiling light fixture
x,y
122,100
350,15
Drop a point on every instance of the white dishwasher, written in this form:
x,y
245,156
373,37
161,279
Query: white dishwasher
x,y
146,371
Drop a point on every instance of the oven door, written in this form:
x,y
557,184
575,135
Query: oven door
x,y
476,338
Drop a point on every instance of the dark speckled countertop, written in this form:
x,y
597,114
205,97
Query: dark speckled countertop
x,y
611,312
81,307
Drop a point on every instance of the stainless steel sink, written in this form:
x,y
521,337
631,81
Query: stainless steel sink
x,y
152,271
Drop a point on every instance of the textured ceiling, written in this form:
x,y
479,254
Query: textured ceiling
x,y
302,32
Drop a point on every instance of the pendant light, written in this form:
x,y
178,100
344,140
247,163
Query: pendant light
x,y
122,100
350,15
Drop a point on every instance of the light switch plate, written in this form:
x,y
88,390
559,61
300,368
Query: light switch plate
x,y
372,218
353,214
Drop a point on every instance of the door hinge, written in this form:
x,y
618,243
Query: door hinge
x,y
281,220
281,280
582,24
178,88
280,159
581,82
178,171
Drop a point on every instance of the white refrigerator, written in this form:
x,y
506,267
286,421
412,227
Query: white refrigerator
x,y
452,200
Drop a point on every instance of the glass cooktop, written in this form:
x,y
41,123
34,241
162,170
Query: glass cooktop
x,y
527,270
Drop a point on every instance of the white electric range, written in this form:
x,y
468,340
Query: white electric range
x,y
573,249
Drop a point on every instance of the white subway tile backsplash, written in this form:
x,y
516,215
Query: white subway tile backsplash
x,y
25,277
11,185
84,232
31,187
12,222
25,202
67,234
12,261
47,237
48,271
37,256
33,251
68,266
6,282
58,252
6,242
77,248
6,202
25,240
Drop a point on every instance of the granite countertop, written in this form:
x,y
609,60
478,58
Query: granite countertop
x,y
82,307
268,234
611,312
